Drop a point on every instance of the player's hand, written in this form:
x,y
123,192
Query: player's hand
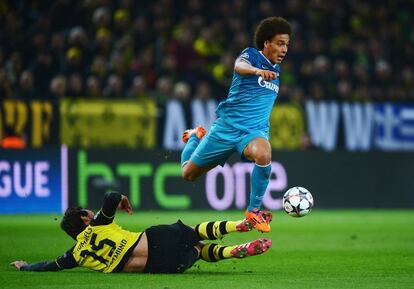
x,y
18,264
125,205
266,74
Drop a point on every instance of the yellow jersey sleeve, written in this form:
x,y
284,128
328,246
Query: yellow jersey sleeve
x,y
101,248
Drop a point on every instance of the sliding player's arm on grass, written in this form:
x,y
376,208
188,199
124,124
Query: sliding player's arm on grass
x,y
105,216
63,262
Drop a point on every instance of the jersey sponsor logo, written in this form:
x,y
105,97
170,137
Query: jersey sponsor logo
x,y
245,55
268,84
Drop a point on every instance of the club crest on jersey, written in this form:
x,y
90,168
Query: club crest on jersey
x,y
245,55
268,84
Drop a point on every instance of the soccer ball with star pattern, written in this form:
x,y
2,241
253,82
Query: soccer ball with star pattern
x,y
297,202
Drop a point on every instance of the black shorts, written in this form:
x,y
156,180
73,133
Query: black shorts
x,y
171,248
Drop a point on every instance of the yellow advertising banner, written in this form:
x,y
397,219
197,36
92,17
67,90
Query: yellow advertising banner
x,y
108,123
287,127
35,121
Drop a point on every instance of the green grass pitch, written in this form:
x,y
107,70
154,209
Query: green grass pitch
x,y
326,249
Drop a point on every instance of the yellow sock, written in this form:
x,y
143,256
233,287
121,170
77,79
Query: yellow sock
x,y
215,230
214,252
231,226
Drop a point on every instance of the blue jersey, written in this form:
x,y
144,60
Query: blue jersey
x,y
250,99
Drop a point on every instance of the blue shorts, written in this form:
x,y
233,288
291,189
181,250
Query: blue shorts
x,y
221,141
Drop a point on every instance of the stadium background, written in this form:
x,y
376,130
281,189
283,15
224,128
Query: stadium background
x,y
102,90
115,83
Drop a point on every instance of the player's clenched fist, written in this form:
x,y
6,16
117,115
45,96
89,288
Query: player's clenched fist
x,y
266,74
125,205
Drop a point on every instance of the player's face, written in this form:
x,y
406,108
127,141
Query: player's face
x,y
276,49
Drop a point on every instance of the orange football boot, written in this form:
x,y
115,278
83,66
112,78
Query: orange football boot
x,y
259,220
199,131
246,225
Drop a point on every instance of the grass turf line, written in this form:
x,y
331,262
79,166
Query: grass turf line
x,y
327,249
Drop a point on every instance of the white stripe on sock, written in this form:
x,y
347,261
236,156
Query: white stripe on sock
x,y
262,165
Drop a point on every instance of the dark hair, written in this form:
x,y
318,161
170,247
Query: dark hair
x,y
72,223
268,28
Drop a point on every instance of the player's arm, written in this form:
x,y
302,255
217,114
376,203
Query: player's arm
x,y
112,201
65,261
43,266
242,66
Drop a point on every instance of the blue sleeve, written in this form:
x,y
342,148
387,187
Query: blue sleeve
x,y
63,262
44,266
67,261
250,55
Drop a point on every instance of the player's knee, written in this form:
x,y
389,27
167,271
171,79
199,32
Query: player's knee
x,y
188,176
263,159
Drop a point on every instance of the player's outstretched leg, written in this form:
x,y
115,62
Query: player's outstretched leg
x,y
216,230
215,252
191,137
260,180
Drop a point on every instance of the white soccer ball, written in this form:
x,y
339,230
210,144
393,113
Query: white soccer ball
x,y
297,202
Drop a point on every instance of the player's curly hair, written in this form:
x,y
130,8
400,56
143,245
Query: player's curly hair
x,y
72,223
268,28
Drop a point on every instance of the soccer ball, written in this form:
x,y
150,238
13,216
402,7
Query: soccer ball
x,y
297,202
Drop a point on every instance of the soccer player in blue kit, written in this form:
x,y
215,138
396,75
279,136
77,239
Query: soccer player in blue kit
x,y
243,118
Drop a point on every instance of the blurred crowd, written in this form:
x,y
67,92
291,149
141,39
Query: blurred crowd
x,y
185,49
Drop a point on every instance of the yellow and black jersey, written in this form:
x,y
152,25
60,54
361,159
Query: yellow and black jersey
x,y
103,245
101,248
